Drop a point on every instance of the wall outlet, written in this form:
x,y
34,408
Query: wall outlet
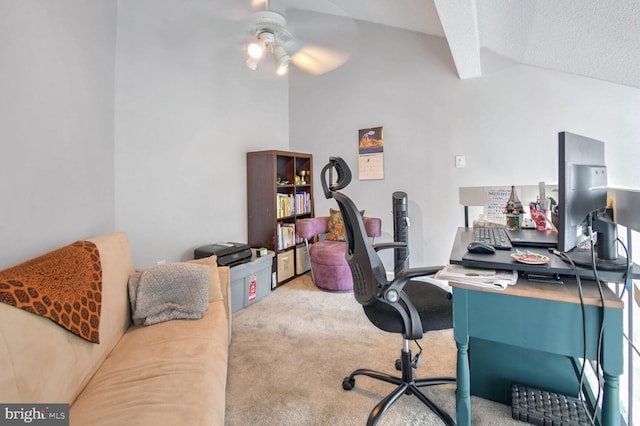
x,y
161,262
461,162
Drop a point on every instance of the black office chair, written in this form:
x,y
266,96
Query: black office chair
x,y
401,306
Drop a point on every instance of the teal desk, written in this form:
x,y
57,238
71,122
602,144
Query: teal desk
x,y
530,334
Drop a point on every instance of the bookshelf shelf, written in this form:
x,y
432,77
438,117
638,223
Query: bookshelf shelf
x,y
278,195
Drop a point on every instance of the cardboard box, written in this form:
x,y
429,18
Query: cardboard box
x,y
250,281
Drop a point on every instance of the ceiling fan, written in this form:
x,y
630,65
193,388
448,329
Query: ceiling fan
x,y
314,36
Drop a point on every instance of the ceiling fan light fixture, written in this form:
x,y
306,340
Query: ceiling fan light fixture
x,y
267,37
252,63
282,70
323,38
281,58
255,50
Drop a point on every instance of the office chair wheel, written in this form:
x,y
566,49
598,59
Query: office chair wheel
x,y
348,384
398,365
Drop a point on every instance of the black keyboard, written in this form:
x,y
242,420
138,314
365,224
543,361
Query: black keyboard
x,y
496,237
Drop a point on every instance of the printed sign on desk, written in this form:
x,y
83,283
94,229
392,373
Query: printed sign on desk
x,y
496,202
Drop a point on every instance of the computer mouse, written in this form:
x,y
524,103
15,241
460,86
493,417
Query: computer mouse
x,y
482,248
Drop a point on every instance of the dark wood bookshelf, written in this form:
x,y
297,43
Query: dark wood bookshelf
x,y
271,180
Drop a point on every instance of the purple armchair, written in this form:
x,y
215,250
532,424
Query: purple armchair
x,y
329,269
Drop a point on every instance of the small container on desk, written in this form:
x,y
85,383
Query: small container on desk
x,y
514,221
539,216
250,281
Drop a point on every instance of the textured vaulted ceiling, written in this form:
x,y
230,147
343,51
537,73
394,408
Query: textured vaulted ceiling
x,y
594,38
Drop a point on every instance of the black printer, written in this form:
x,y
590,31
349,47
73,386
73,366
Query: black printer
x,y
229,254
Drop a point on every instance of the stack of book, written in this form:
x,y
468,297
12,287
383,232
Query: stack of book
x,y
285,205
286,235
303,202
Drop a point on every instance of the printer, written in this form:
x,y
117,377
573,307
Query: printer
x,y
228,254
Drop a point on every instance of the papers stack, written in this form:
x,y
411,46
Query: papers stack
x,y
490,278
443,284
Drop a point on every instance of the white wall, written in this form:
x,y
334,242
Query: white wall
x,y
165,162
56,124
168,166
187,111
505,123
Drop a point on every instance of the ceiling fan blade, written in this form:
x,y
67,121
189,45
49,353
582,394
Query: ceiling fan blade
x,y
238,11
318,60
321,42
258,3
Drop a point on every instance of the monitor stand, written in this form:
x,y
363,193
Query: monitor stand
x,y
607,258
582,257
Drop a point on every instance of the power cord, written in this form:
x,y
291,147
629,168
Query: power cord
x,y
592,416
629,284
601,333
627,271
599,284
416,359
584,331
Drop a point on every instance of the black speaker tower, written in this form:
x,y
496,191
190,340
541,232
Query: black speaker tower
x,y
401,230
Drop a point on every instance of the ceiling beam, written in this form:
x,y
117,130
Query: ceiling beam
x,y
459,19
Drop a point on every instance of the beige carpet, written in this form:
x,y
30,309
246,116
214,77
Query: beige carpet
x,y
291,350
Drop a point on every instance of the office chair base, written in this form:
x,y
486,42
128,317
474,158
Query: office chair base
x,y
405,385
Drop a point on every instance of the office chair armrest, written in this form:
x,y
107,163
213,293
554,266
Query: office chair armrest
x,y
413,324
405,275
419,271
392,244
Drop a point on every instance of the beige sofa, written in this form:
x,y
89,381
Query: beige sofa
x,y
170,373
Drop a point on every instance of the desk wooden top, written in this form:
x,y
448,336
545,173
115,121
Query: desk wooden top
x,y
567,292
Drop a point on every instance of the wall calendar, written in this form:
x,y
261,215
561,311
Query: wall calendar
x,y
370,153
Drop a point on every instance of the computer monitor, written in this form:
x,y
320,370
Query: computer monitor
x,y
582,192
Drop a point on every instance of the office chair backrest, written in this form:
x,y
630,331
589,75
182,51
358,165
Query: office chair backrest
x,y
369,276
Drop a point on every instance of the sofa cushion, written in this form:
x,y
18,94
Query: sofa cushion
x,y
160,375
336,226
215,287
